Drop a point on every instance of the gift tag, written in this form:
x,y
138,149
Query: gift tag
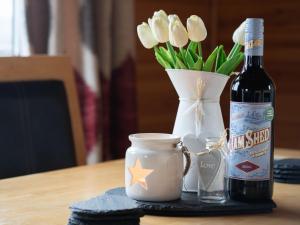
x,y
208,165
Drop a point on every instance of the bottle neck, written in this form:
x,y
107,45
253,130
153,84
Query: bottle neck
x,y
253,61
254,43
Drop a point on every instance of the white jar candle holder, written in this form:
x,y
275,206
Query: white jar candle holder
x,y
154,168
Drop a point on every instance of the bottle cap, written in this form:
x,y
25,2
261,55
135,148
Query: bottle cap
x,y
254,36
254,25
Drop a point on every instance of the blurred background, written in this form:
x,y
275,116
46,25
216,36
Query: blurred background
x,y
121,87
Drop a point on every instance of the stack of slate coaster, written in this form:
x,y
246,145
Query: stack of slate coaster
x,y
106,209
287,171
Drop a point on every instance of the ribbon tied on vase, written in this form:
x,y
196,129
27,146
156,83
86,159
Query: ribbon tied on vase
x,y
197,105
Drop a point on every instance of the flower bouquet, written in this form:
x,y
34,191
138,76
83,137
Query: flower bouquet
x,y
199,82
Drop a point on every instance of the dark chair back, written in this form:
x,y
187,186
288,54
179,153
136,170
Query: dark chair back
x,y
36,130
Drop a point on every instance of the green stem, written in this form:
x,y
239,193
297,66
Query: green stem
x,y
184,56
182,53
192,47
199,49
156,49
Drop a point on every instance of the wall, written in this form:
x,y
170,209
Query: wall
x,y
157,100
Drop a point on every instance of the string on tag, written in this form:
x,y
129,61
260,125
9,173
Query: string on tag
x,y
219,144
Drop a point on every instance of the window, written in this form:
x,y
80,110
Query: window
x,y
6,28
13,32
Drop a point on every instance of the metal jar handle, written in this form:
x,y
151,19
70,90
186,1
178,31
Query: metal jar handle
x,y
187,156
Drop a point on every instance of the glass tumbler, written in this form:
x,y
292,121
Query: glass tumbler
x,y
211,165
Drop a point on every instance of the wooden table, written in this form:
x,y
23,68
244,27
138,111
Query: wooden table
x,y
44,198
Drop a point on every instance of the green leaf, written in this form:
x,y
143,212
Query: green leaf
x,y
178,55
180,64
189,60
198,64
230,65
172,52
219,60
222,57
161,61
194,55
183,52
237,62
166,55
208,65
232,50
235,49
192,47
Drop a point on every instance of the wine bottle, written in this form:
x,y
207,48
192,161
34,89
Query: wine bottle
x,y
251,144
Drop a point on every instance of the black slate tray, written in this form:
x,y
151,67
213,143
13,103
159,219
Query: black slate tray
x,y
189,205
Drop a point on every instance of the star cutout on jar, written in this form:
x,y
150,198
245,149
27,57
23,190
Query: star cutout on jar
x,y
139,174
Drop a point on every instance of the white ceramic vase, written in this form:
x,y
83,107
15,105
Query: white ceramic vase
x,y
199,113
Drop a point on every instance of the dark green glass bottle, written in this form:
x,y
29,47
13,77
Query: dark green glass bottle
x,y
250,162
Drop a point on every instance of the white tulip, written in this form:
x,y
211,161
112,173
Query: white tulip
x,y
239,34
162,14
178,35
159,27
172,18
196,28
145,35
150,23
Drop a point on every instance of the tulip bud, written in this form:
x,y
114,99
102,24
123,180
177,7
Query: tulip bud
x,y
239,34
178,35
162,14
172,18
196,28
150,23
145,35
159,27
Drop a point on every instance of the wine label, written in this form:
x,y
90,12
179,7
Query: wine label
x,y
254,47
250,141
